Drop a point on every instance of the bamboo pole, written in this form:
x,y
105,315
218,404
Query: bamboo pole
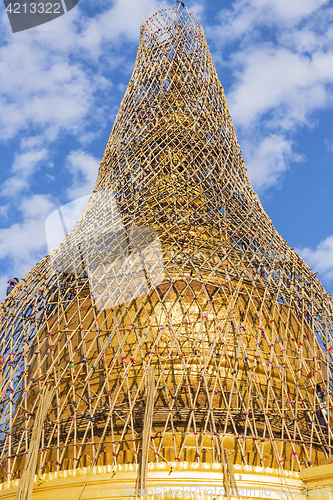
x,y
26,483
141,484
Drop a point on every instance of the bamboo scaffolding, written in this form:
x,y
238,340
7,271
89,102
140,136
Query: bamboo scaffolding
x,y
141,484
26,484
238,329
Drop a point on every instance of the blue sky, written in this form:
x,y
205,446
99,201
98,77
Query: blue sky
x,y
61,85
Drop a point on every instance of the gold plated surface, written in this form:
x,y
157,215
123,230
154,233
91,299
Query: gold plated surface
x,y
235,324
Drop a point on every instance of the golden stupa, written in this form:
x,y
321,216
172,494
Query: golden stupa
x,y
173,341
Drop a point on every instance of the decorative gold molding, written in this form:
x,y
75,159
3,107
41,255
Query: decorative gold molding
x,y
155,467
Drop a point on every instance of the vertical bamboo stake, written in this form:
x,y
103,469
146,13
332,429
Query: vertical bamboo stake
x,y
141,485
26,484
231,472
225,473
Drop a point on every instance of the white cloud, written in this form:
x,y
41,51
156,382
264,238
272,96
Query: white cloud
x,y
36,92
277,80
23,244
4,210
13,185
84,168
23,167
245,16
295,10
280,54
122,19
267,159
320,259
329,145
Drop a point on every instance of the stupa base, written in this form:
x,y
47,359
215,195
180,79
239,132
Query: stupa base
x,y
165,481
318,482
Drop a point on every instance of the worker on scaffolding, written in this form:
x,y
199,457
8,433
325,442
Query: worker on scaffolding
x,y
11,284
322,412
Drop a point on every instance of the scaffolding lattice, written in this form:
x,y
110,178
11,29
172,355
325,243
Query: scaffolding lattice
x,y
237,334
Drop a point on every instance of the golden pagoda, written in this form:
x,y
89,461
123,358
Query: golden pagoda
x,y
173,344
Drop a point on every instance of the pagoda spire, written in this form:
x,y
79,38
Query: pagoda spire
x,y
176,274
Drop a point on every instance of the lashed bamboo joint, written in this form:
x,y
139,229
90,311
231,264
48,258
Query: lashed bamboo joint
x,y
238,330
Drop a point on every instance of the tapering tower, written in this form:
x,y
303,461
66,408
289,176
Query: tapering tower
x,y
173,329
